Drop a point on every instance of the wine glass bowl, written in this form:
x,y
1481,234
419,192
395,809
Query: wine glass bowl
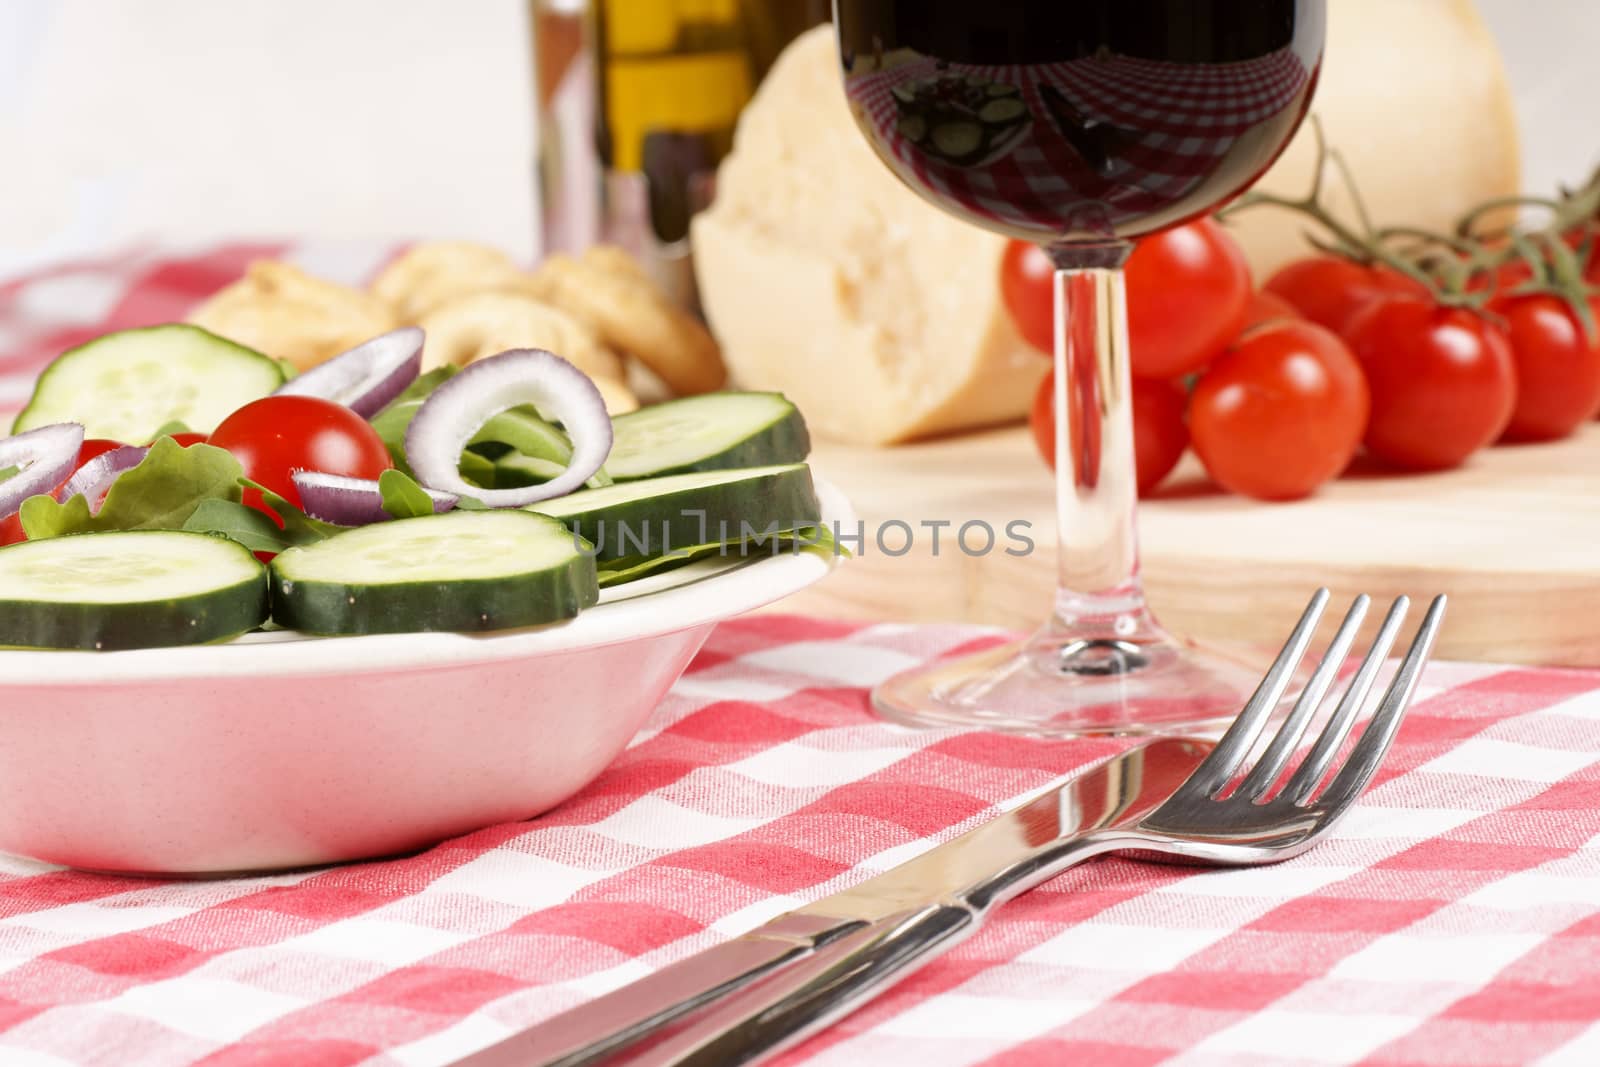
x,y
1081,125
1059,122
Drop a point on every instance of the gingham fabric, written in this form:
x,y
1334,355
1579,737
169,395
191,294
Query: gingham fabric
x,y
1452,919
1174,122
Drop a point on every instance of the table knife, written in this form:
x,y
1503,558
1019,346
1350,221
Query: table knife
x,y
922,904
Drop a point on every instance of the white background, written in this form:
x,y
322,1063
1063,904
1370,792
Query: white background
x,y
381,119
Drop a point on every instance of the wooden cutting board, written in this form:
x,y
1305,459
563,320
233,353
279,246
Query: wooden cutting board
x,y
1514,538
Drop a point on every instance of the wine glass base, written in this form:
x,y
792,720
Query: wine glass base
x,y
1053,686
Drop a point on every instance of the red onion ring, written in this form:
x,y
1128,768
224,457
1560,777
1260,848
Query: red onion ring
x,y
447,420
346,501
366,377
93,480
45,457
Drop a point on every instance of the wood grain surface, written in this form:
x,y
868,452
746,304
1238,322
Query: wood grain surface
x,y
1514,538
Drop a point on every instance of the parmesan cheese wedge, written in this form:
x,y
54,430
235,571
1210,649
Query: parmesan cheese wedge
x,y
825,278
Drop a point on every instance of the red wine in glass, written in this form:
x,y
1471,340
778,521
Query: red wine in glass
x,y
1081,125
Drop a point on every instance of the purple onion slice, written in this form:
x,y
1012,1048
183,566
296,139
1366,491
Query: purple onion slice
x,y
366,377
93,480
44,457
346,501
457,409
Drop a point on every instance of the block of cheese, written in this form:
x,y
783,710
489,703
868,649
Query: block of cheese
x,y
1415,96
827,279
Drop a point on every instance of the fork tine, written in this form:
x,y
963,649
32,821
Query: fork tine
x,y
1272,761
1231,750
1314,768
1374,744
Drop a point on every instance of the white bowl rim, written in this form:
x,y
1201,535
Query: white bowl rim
x,y
698,594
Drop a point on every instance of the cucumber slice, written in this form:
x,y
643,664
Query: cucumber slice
x,y
716,431
1004,110
957,139
655,516
460,571
127,385
129,589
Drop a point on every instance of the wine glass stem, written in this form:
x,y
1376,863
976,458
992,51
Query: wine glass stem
x,y
1098,593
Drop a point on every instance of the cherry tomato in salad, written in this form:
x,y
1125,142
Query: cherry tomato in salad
x,y
1159,433
1027,288
92,447
277,435
1268,307
11,526
1188,295
1281,412
1443,381
1188,288
1558,367
187,439
1331,290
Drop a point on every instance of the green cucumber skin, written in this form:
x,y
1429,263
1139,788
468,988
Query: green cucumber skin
x,y
787,497
785,441
40,410
330,609
213,616
432,604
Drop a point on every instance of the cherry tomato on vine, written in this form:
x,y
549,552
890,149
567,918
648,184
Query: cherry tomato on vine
x,y
1443,381
1281,412
1331,290
1159,433
1557,364
1027,288
1188,294
277,435
1188,288
1268,307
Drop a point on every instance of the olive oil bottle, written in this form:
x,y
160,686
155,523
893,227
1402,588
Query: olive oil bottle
x,y
638,100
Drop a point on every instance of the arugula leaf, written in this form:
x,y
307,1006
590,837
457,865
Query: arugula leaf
x,y
240,522
401,497
816,540
161,493
298,527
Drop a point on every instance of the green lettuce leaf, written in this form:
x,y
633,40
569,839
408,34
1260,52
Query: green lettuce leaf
x,y
161,493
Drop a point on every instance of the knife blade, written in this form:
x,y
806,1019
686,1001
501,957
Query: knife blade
x,y
983,867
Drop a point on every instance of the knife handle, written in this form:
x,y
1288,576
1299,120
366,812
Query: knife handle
x,y
591,1032
765,1016
808,995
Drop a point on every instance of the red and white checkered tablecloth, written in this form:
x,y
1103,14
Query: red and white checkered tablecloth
x,y
1176,122
1452,919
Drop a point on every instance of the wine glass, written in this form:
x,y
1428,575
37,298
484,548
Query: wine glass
x,y
1081,125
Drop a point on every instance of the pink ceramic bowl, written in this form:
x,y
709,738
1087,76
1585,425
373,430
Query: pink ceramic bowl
x,y
279,750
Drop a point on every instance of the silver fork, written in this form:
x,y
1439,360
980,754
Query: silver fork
x,y
1228,811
